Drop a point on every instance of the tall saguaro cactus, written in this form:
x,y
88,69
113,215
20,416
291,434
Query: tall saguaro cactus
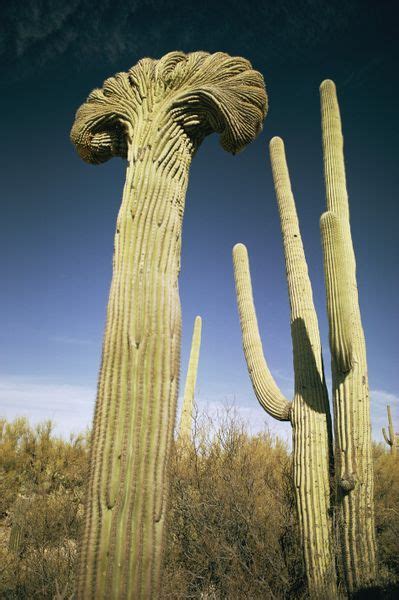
x,y
186,419
353,451
155,116
309,410
391,437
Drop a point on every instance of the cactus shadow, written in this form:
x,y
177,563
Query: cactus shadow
x,y
388,592
309,382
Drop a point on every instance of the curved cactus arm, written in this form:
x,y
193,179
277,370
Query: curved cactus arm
x,y
189,389
391,438
338,290
386,438
265,388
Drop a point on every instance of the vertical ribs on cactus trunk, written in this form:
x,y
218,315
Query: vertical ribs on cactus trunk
x,y
155,115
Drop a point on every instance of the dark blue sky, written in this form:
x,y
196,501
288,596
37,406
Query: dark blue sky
x,y
58,214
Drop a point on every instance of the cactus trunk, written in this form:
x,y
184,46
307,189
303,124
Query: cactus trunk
x,y
353,451
137,391
310,413
187,413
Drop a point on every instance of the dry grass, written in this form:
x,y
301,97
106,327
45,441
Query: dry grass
x,y
232,523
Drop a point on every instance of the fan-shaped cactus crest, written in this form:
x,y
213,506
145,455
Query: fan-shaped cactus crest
x,y
155,115
195,94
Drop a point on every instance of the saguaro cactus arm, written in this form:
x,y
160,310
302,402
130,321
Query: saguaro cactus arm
x,y
189,389
155,115
339,293
333,151
266,390
391,438
353,452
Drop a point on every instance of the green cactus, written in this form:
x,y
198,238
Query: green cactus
x,y
390,439
187,413
309,411
155,115
352,429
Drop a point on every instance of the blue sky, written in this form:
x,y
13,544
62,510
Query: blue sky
x,y
58,214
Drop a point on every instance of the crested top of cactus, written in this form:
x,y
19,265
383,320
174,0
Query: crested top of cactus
x,y
200,93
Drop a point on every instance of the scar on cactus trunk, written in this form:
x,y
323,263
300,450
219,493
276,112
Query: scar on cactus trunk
x,y
309,411
187,413
155,116
352,428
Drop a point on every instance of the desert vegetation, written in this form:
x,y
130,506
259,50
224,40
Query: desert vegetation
x,y
232,524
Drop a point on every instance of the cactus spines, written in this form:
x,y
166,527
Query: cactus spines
x,y
309,410
353,458
155,115
187,413
391,437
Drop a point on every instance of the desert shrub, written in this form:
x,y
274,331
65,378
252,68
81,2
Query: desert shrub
x,y
42,481
386,494
232,529
232,525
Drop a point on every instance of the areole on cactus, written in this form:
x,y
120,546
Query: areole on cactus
x,y
155,115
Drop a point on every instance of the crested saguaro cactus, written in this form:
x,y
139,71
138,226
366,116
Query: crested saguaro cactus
x,y
391,437
309,410
186,419
353,451
155,116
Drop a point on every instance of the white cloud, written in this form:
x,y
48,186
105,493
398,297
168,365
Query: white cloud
x,y
70,406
